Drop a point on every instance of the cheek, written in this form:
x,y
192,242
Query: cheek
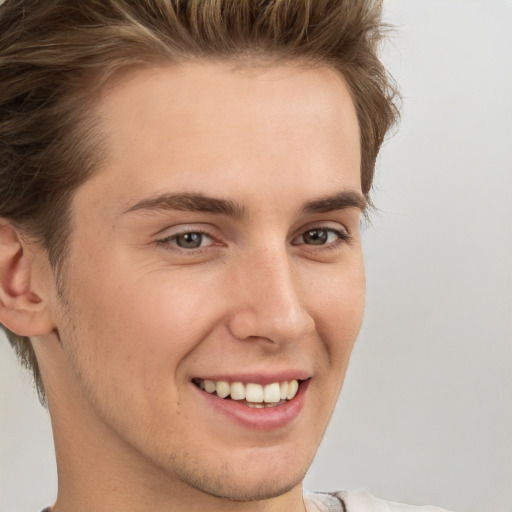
x,y
338,298
337,305
144,320
128,341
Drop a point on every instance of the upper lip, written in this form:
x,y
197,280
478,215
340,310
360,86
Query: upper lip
x,y
258,377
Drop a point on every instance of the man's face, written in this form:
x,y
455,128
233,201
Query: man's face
x,y
218,243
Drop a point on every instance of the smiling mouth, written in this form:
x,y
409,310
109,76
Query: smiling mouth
x,y
251,394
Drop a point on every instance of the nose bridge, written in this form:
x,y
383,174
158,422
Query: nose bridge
x,y
269,299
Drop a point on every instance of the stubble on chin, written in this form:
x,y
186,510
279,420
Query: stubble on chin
x,y
233,484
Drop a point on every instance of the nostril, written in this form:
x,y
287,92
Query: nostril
x,y
266,324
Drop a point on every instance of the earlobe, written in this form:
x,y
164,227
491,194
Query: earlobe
x,y
23,310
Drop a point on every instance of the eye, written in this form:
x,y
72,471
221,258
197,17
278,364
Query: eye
x,y
188,240
321,236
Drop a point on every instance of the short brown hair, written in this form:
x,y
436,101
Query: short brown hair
x,y
55,56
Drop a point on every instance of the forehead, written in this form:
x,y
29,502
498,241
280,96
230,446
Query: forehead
x,y
216,88
185,126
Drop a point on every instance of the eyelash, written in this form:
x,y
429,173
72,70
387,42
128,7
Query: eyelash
x,y
342,237
165,242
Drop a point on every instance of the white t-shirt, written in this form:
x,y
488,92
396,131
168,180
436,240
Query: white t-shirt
x,y
357,501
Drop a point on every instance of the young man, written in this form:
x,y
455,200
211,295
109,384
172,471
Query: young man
x,y
182,185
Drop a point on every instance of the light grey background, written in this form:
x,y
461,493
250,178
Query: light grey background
x,y
426,411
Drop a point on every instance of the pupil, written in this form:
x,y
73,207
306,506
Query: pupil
x,y
315,236
189,240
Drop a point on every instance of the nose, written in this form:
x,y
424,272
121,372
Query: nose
x,y
268,300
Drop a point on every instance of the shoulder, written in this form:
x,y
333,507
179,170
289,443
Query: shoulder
x,y
358,501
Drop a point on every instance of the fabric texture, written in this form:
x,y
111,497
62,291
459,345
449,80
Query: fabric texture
x,y
357,501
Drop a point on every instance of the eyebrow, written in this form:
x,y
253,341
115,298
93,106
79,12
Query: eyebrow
x,y
191,203
194,202
340,201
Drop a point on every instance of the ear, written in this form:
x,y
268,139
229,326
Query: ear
x,y
23,305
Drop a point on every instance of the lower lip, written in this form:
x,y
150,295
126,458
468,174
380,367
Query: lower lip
x,y
264,419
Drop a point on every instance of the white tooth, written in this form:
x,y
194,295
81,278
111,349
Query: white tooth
x,y
272,393
237,391
293,387
254,392
255,405
209,386
222,388
201,385
284,390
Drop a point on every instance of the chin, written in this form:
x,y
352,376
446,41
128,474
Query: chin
x,y
264,489
245,482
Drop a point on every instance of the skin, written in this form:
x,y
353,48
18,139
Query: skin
x,y
139,317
